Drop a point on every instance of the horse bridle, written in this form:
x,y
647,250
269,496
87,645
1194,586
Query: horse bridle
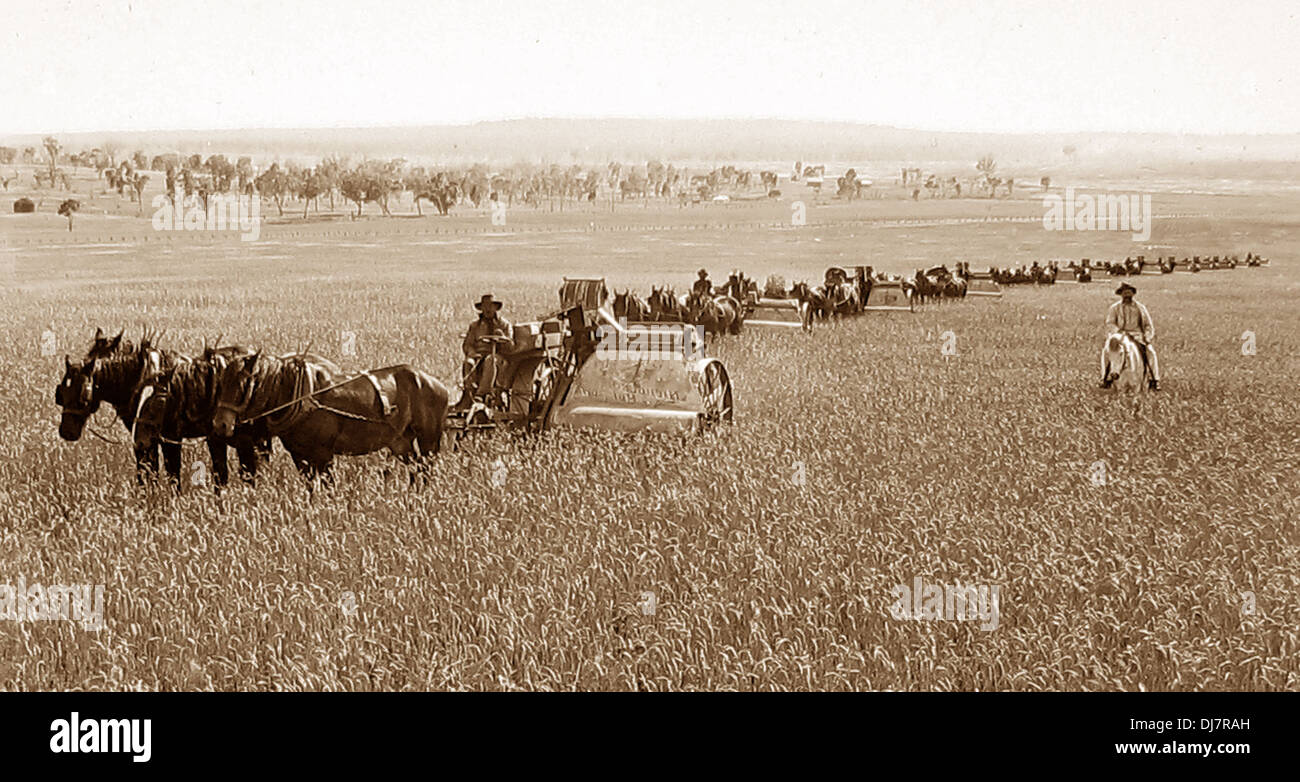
x,y
238,407
91,406
153,359
83,412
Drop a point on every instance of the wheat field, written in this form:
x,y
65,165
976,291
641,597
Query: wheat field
x,y
758,557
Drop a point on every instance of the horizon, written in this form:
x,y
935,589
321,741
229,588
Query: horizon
x,y
611,118
1003,67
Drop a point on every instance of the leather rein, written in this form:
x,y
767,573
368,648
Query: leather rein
x,y
303,400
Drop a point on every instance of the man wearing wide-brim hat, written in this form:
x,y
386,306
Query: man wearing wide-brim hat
x,y
703,285
486,341
1130,317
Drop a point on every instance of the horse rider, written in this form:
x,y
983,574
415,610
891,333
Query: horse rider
x,y
487,338
1130,317
702,286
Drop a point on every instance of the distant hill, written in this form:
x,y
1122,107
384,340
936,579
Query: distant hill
x,y
594,141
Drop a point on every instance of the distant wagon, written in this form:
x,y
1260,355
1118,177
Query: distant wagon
x,y
983,284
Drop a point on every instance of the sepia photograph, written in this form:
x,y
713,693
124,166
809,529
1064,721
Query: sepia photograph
x,y
594,346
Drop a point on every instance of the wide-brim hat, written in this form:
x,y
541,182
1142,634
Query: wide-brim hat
x,y
1124,286
703,273
486,300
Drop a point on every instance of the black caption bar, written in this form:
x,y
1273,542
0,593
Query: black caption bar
x,y
60,732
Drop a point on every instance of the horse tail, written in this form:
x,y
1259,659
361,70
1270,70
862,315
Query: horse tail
x,y
429,433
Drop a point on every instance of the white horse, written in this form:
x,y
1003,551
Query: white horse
x,y
1124,360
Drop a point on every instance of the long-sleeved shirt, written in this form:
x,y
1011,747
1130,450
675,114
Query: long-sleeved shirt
x,y
496,326
1131,317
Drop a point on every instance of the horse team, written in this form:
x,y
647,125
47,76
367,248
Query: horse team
x,y
718,311
233,396
722,309
1083,271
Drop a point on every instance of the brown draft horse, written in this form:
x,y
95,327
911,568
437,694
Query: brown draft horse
x,y
839,299
718,315
110,372
811,304
631,307
926,286
318,415
665,306
179,402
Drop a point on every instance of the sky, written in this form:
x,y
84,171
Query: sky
x,y
982,65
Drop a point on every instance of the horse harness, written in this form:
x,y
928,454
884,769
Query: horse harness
x,y
151,366
305,400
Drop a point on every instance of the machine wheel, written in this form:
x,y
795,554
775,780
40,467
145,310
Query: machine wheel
x,y
715,388
531,392
565,371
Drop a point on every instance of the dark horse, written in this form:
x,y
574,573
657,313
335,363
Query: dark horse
x,y
955,285
926,287
665,307
718,315
810,303
839,298
741,288
631,307
179,403
318,415
946,284
111,372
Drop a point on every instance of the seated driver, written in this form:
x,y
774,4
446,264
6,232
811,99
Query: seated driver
x,y
703,286
483,363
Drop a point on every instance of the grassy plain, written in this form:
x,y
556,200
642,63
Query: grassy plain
x,y
759,557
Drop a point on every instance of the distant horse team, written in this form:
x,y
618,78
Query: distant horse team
x,y
1034,274
719,310
1083,271
722,309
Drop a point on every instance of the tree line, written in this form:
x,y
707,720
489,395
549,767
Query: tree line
x,y
381,182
